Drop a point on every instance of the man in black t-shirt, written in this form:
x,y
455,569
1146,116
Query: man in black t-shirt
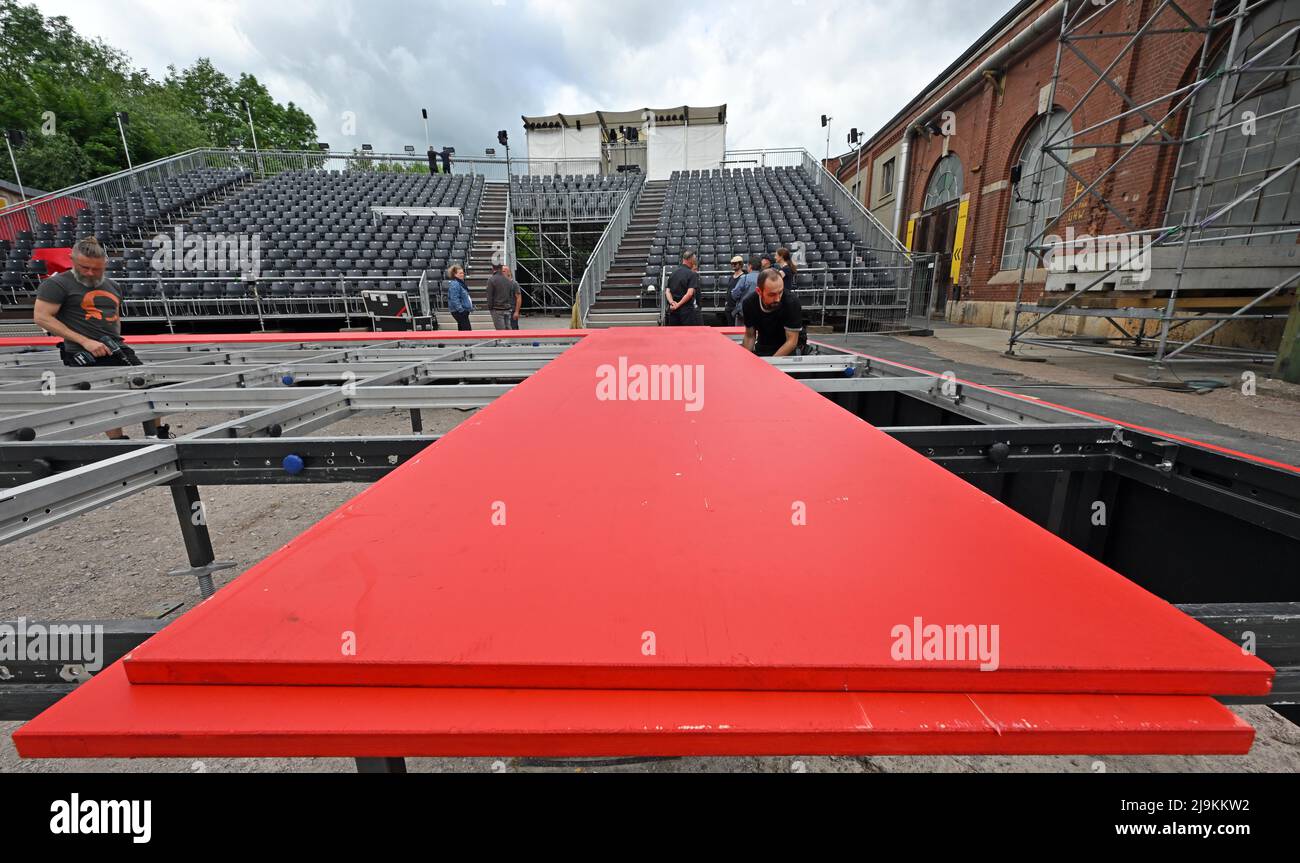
x,y
683,294
774,324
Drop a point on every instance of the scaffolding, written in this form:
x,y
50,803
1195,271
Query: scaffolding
x,y
1202,218
555,234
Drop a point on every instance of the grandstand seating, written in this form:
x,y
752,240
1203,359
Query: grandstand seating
x,y
748,212
113,222
320,241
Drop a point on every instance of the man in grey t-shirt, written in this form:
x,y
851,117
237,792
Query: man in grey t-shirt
x,y
83,307
500,298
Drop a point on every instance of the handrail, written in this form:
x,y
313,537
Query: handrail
x,y
836,189
602,257
508,240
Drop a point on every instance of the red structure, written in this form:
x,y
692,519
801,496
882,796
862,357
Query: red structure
x,y
678,590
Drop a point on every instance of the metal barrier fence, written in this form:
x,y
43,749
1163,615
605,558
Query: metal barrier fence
x,y
602,257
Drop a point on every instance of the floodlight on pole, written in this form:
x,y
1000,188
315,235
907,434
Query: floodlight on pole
x,y
826,124
424,112
503,138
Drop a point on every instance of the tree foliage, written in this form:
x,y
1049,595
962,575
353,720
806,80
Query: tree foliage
x,y
62,91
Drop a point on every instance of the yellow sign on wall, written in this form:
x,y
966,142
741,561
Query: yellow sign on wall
x,y
911,232
959,241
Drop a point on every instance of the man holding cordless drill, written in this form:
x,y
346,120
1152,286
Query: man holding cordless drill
x,y
83,307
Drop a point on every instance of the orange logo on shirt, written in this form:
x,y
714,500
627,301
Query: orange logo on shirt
x,y
93,313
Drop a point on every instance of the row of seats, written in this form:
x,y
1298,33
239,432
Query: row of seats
x,y
129,215
583,199
572,183
310,224
751,212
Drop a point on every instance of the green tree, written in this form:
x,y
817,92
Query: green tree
x,y
63,91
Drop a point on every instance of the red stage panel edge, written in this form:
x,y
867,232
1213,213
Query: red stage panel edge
x,y
107,717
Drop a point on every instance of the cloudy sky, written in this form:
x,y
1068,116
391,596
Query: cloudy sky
x,y
478,65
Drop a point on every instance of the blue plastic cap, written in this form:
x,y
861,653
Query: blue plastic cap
x,y
293,465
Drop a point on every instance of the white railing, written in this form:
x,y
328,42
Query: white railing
x,y
602,257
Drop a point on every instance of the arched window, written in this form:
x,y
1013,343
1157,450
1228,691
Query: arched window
x,y
1036,166
947,183
1239,159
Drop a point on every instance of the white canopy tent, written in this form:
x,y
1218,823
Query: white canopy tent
x,y
677,139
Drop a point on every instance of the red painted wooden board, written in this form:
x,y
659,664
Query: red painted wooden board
x,y
109,718
557,540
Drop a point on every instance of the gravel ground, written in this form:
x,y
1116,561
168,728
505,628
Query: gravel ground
x,y
51,576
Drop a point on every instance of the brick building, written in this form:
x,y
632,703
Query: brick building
x,y
939,174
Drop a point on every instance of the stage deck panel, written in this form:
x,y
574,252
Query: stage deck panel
x,y
107,717
749,535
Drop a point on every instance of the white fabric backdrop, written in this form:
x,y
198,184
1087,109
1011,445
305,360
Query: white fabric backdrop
x,y
684,148
665,151
544,145
706,147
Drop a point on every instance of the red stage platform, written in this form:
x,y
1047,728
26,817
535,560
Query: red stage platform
x,y
108,717
750,535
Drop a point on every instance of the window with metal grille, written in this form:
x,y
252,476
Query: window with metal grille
x,y
1025,220
1248,147
947,182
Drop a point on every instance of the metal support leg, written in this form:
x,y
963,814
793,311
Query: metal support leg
x,y
381,765
417,421
198,542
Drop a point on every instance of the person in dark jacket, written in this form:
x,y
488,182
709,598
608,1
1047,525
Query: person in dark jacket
x,y
683,294
459,302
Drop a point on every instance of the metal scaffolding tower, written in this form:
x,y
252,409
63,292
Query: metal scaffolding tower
x,y
1202,216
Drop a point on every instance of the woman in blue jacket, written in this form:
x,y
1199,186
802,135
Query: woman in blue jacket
x,y
458,300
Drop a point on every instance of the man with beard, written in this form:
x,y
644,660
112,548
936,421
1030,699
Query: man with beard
x,y
83,307
774,325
